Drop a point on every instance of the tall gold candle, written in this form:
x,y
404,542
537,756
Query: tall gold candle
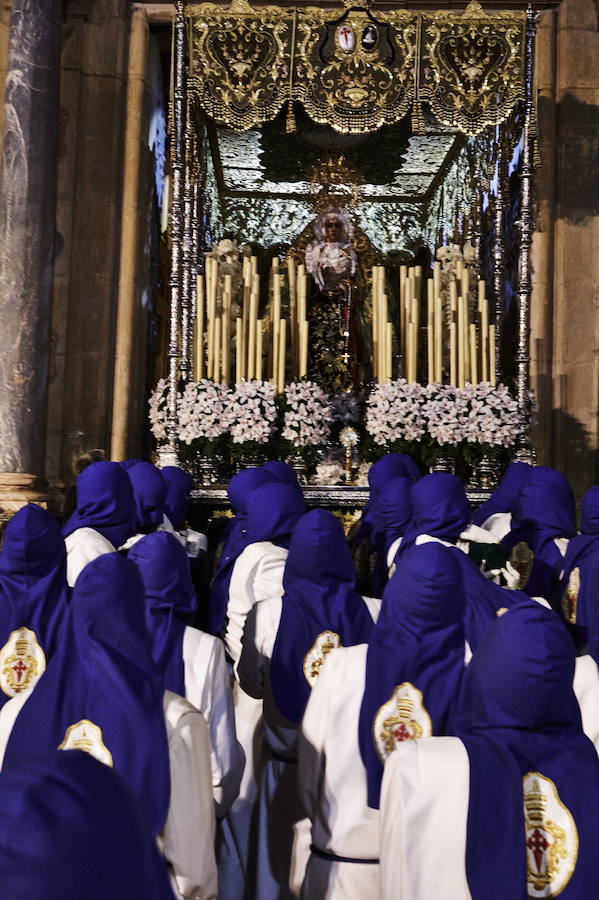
x,y
473,360
484,330
389,351
252,319
466,333
459,269
383,334
258,368
212,269
198,356
492,360
304,351
226,350
438,323
276,313
291,281
403,278
461,344
430,337
281,361
217,348
375,324
417,280
430,332
238,340
413,336
301,292
452,354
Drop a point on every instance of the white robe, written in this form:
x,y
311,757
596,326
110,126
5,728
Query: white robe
x,y
208,688
586,688
187,839
424,817
257,574
332,780
84,545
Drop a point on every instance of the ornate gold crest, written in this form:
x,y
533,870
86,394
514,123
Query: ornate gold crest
x,y
551,838
402,718
522,559
570,596
22,662
84,735
314,658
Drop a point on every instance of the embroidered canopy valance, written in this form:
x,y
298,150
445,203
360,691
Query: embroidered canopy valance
x,y
355,69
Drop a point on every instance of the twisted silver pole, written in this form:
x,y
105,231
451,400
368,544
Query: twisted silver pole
x,y
176,225
526,223
498,258
187,261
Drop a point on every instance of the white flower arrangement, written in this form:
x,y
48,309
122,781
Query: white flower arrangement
x,y
307,416
158,415
490,415
450,416
442,413
251,412
394,412
329,471
200,411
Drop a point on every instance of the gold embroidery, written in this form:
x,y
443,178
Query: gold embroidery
x,y
522,559
86,736
22,662
570,596
551,838
501,611
402,718
314,658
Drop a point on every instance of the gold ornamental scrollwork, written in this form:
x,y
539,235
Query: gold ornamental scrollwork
x,y
354,71
239,61
471,66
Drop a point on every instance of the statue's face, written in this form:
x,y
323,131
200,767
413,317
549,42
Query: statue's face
x,y
333,229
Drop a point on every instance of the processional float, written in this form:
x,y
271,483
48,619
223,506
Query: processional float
x,y
241,65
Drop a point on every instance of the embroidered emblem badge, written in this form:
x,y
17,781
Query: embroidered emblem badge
x,y
551,838
570,596
314,658
522,559
346,38
402,718
84,735
22,662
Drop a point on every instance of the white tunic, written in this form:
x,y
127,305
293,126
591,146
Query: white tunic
x,y
187,839
257,574
83,545
586,688
207,687
332,780
424,816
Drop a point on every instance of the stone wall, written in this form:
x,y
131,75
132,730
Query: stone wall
x,y
565,309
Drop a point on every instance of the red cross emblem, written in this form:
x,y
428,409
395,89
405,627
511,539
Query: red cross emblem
x,y
401,733
346,38
19,669
537,844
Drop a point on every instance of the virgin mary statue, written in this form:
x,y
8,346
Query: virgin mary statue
x,y
334,358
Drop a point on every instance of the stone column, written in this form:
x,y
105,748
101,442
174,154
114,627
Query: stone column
x,y
576,236
129,302
27,210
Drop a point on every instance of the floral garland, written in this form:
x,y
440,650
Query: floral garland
x,y
307,416
200,411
